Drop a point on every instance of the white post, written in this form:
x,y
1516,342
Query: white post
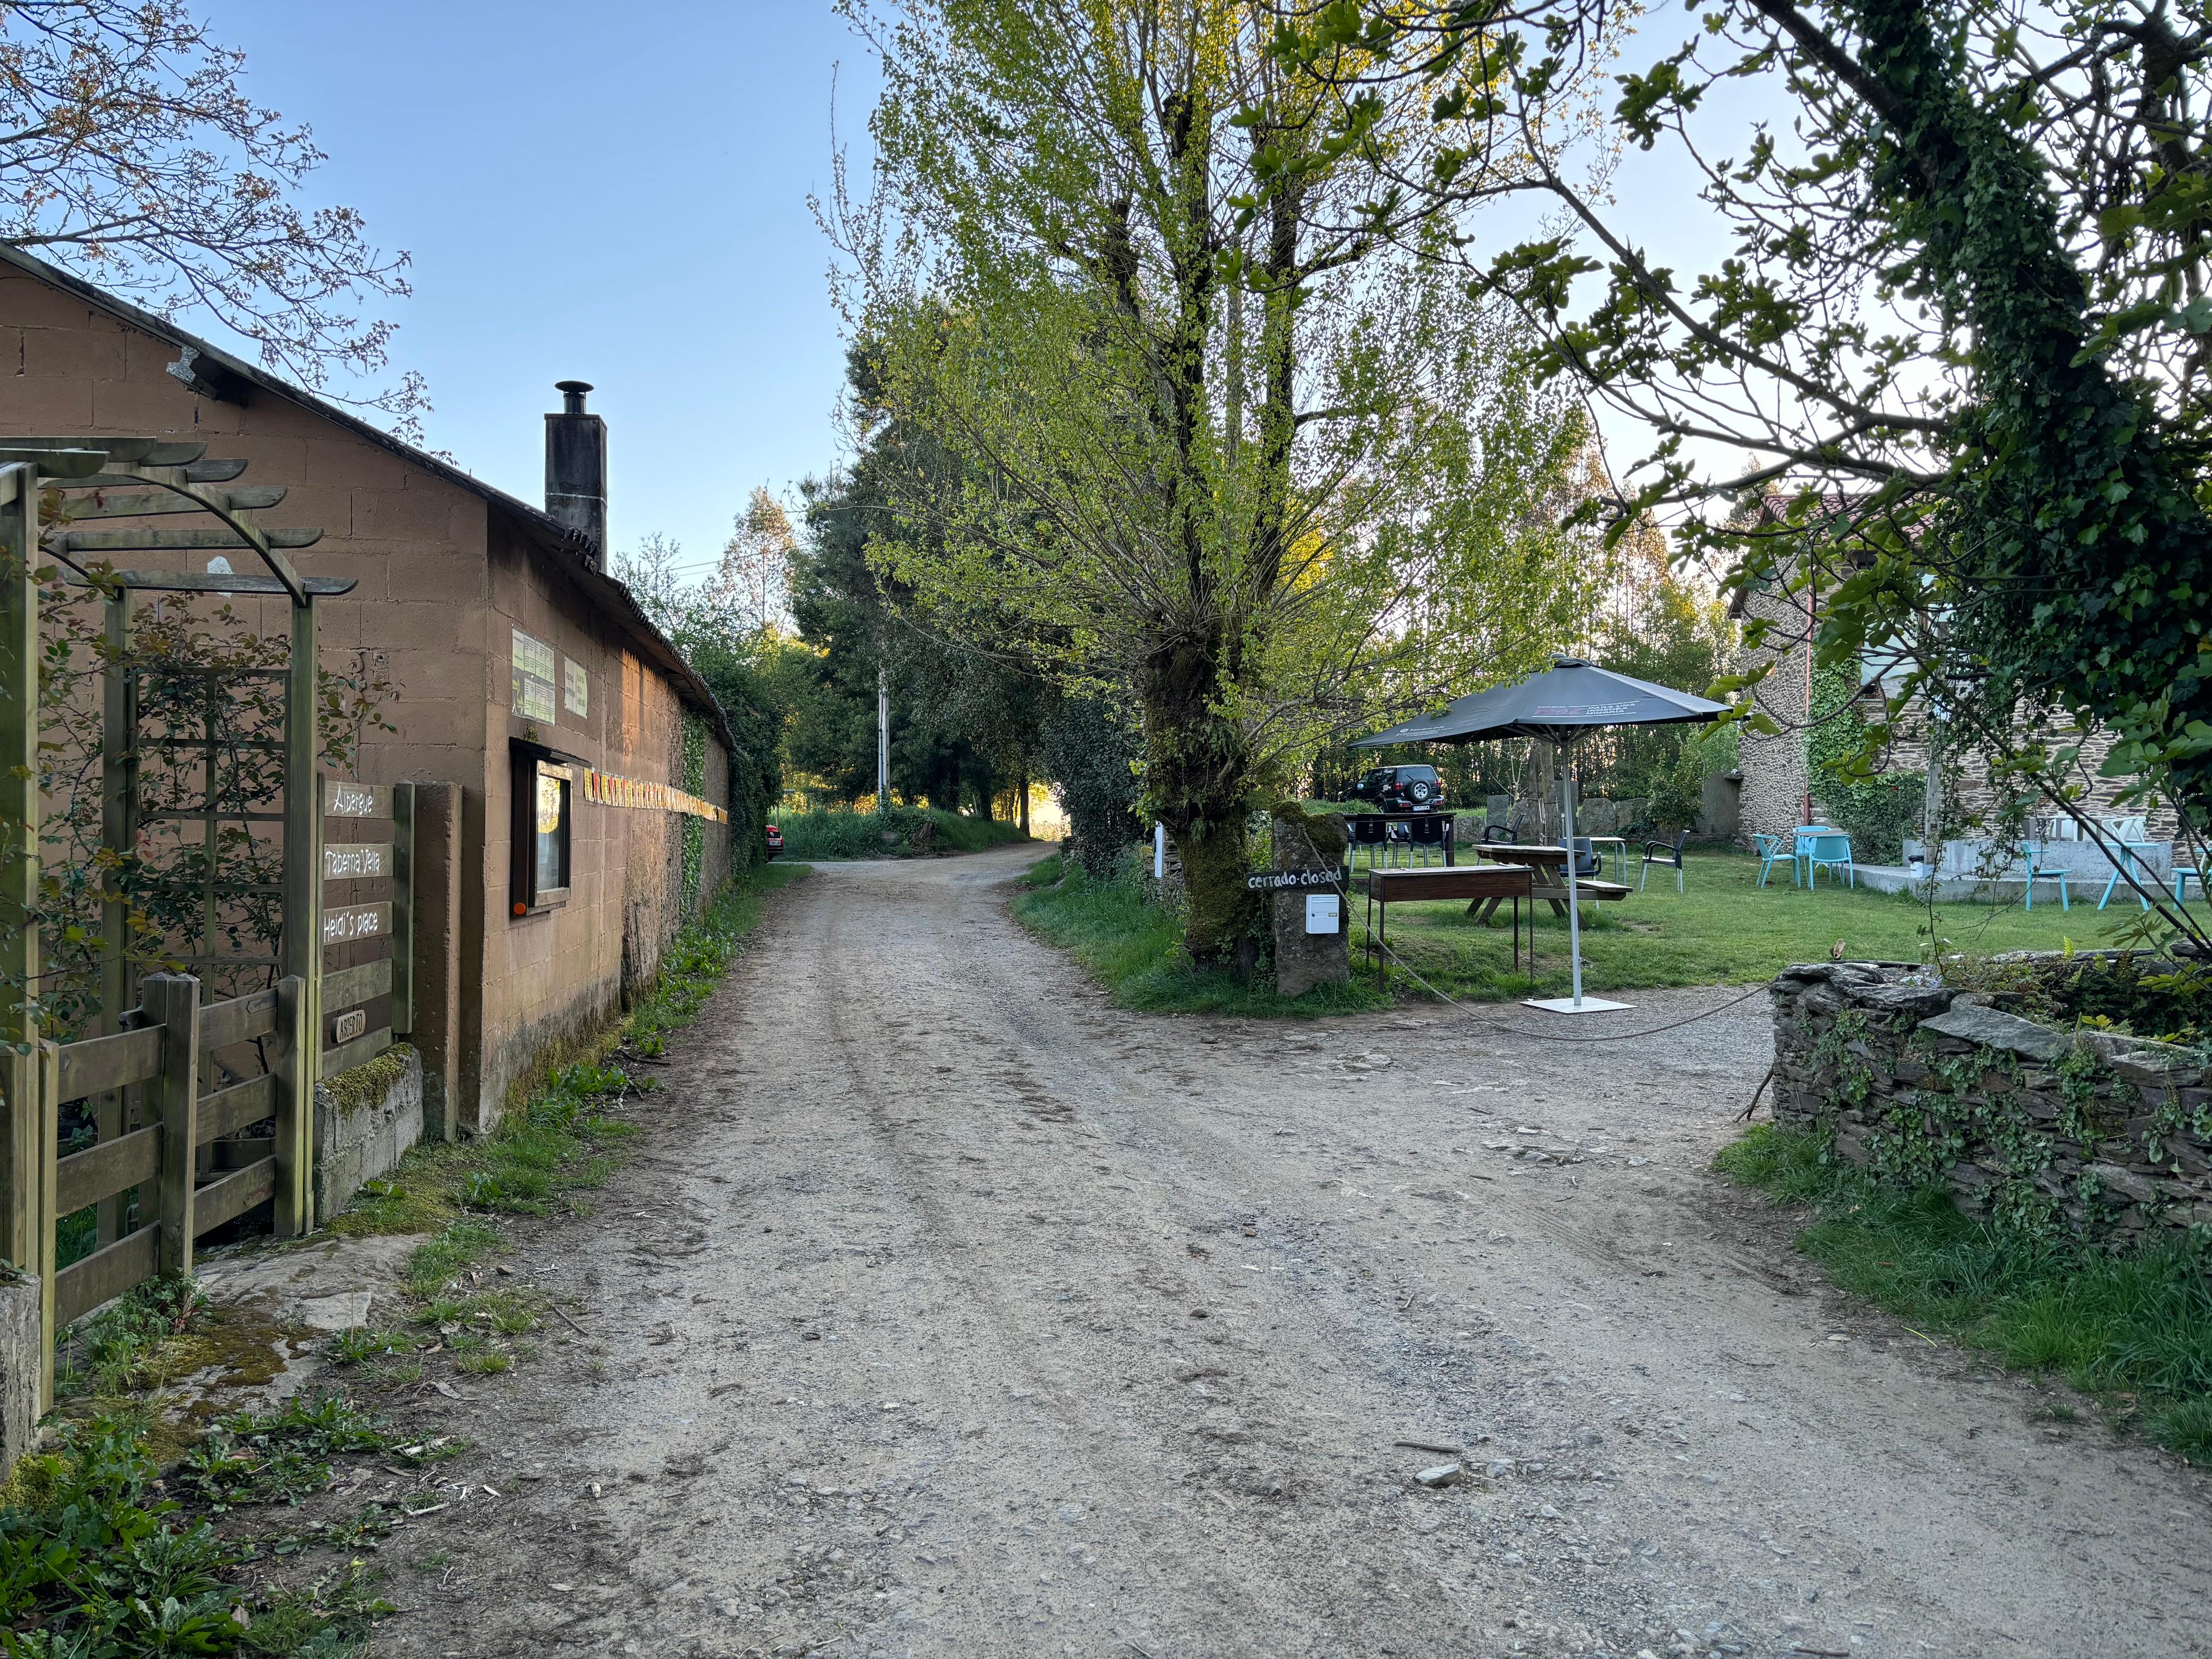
x,y
882,740
1159,852
1574,909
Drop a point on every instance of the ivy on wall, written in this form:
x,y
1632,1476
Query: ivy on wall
x,y
1877,811
694,828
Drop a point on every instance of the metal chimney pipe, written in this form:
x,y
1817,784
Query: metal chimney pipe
x,y
576,469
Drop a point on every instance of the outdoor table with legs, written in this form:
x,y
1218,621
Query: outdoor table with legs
x,y
1549,865
1495,882
1621,841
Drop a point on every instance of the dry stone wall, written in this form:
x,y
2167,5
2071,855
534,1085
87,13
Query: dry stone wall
x,y
2089,1135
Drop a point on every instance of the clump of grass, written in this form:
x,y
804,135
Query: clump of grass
x,y
281,1456
1135,946
96,1564
135,1344
2134,1329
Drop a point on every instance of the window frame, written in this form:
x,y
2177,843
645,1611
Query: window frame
x,y
531,764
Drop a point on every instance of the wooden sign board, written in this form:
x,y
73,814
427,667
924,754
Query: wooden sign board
x,y
356,921
355,860
343,799
348,1026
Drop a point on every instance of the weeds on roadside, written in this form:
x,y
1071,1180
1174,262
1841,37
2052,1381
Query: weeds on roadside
x,y
94,1563
2134,1330
127,1348
281,1456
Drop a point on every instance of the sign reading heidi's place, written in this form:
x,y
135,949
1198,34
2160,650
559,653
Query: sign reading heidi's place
x,y
355,921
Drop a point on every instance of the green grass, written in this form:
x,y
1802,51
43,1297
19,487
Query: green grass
x,y
2134,1330
838,835
1136,948
1723,929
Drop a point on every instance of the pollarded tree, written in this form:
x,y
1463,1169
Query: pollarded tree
x,y
1229,457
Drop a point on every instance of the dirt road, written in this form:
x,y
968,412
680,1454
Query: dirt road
x,y
947,1311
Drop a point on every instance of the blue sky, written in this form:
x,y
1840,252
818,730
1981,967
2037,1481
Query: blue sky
x,y
619,195
612,194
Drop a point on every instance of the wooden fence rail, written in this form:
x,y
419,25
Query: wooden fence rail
x,y
177,1203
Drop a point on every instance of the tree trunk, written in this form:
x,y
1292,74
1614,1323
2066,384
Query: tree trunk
x,y
1196,768
1022,802
1536,804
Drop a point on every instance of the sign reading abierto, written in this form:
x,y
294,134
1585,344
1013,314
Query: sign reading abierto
x,y
608,790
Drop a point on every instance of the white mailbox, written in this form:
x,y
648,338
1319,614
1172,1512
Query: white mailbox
x,y
1322,913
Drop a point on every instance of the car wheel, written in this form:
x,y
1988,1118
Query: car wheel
x,y
1420,791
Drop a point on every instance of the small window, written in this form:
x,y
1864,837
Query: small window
x,y
544,807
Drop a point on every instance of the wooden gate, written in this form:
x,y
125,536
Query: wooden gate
x,y
170,1167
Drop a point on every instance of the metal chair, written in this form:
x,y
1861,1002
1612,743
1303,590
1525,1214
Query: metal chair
x,y
1665,853
1830,853
1773,850
1587,861
2184,874
2032,852
1496,834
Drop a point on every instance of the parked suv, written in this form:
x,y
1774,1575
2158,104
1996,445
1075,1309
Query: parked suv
x,y
1416,788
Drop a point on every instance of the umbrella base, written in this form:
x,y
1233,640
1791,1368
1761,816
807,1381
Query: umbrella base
x,y
1568,1005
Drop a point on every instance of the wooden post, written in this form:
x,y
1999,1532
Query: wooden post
x,y
118,838
29,1149
296,1042
49,1260
172,1002
402,910
302,950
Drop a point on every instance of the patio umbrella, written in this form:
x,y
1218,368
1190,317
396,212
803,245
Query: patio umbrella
x,y
1562,705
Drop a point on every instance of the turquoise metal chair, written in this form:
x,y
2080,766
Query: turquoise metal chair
x,y
1771,853
2032,852
1831,853
2187,872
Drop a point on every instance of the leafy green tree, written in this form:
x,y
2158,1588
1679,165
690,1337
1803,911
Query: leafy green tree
x,y
1964,319
1228,458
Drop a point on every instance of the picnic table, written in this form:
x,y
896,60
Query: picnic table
x,y
1548,866
1495,882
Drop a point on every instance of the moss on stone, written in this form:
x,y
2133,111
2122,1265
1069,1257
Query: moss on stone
x,y
1323,831
370,1082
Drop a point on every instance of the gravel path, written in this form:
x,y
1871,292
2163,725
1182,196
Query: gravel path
x,y
948,1311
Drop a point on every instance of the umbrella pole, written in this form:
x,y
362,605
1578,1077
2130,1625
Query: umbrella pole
x,y
1574,909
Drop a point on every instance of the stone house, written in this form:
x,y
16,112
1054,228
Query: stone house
x,y
1778,791
521,667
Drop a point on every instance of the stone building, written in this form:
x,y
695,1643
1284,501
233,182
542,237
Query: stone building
x,y
516,657
1778,791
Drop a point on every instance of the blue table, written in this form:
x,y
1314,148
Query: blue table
x,y
1804,832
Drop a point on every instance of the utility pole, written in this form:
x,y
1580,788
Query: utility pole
x,y
882,740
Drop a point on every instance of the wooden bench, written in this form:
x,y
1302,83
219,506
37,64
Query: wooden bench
x,y
1477,882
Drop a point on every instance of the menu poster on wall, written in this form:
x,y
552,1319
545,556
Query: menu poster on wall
x,y
576,689
533,678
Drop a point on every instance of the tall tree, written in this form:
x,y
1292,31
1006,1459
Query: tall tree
x,y
1228,456
130,154
1965,318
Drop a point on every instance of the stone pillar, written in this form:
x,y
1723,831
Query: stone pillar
x,y
1309,842
22,1364
440,876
